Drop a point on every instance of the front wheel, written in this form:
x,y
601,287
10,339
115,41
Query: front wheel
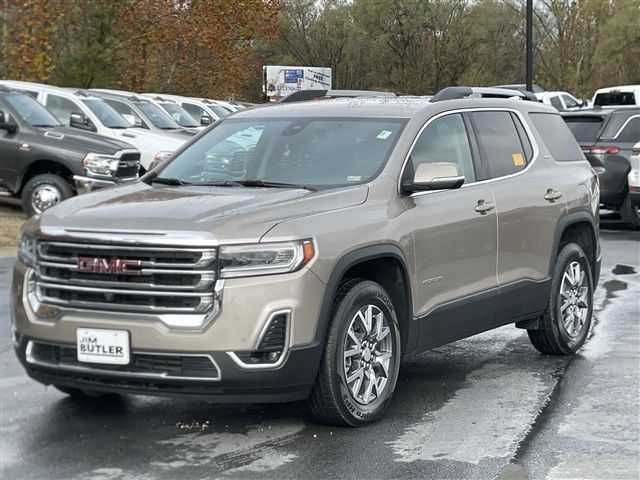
x,y
44,191
565,324
361,357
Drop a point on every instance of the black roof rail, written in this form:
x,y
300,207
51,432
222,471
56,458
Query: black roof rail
x,y
456,93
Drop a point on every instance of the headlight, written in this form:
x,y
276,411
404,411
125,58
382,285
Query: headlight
x,y
264,258
27,250
96,164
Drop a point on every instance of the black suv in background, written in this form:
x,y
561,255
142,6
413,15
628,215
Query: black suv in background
x,y
44,162
607,138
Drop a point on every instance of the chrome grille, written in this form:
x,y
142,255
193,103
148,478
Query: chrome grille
x,y
128,165
164,280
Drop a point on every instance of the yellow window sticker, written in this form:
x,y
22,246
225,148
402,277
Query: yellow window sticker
x,y
518,161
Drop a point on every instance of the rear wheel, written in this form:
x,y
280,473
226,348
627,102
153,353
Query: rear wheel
x,y
44,191
565,325
629,212
361,358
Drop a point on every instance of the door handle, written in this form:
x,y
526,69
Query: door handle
x,y
552,195
483,207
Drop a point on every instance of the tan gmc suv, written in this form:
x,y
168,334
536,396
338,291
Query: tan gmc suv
x,y
300,250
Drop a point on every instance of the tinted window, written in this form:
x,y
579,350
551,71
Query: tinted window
x,y
319,152
61,107
499,142
524,139
556,103
631,132
443,141
557,137
615,98
585,129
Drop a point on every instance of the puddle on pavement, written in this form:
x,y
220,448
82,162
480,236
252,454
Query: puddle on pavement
x,y
623,270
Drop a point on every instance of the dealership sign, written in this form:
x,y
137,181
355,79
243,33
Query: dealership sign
x,y
280,81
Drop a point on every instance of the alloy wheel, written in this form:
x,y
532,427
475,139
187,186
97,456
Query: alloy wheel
x,y
368,353
574,299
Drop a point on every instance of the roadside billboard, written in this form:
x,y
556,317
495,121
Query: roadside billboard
x,y
279,81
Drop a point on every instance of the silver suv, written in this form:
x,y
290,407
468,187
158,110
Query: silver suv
x,y
299,250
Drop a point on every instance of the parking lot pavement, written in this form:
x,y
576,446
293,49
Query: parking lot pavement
x,y
483,407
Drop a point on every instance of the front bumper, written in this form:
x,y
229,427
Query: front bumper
x,y
247,307
292,381
89,184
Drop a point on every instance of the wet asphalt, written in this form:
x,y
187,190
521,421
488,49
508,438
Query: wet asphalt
x,y
486,407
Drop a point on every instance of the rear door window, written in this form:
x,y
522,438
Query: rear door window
x,y
557,137
586,129
499,143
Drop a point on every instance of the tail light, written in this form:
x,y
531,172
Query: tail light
x,y
600,150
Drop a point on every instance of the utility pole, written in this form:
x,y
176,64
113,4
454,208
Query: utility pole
x,y
529,54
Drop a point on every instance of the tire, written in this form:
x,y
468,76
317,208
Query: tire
x,y
571,297
336,401
87,395
44,191
629,212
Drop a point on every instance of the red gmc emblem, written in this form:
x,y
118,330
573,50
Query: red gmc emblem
x,y
114,266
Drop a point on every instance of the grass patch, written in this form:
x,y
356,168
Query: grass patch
x,y
11,220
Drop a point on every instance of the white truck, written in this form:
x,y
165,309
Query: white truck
x,y
97,117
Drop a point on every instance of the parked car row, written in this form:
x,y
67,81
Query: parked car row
x,y
51,165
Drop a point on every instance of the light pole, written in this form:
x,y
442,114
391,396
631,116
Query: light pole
x,y
529,46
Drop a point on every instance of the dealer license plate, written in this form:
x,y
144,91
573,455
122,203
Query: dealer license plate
x,y
103,346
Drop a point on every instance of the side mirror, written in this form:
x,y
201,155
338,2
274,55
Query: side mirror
x,y
78,120
206,119
435,176
9,127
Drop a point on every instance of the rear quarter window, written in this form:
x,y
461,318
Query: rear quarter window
x,y
557,136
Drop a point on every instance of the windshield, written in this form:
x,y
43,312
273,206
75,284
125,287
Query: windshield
x,y
30,111
220,111
180,115
157,116
585,129
317,152
107,115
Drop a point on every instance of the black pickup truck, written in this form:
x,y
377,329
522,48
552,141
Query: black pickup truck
x,y
43,162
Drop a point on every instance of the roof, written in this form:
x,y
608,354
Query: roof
x,y
621,88
602,112
387,107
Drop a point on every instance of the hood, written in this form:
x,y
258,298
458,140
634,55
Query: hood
x,y
223,214
75,139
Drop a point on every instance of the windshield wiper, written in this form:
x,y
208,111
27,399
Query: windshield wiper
x,y
170,181
261,183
